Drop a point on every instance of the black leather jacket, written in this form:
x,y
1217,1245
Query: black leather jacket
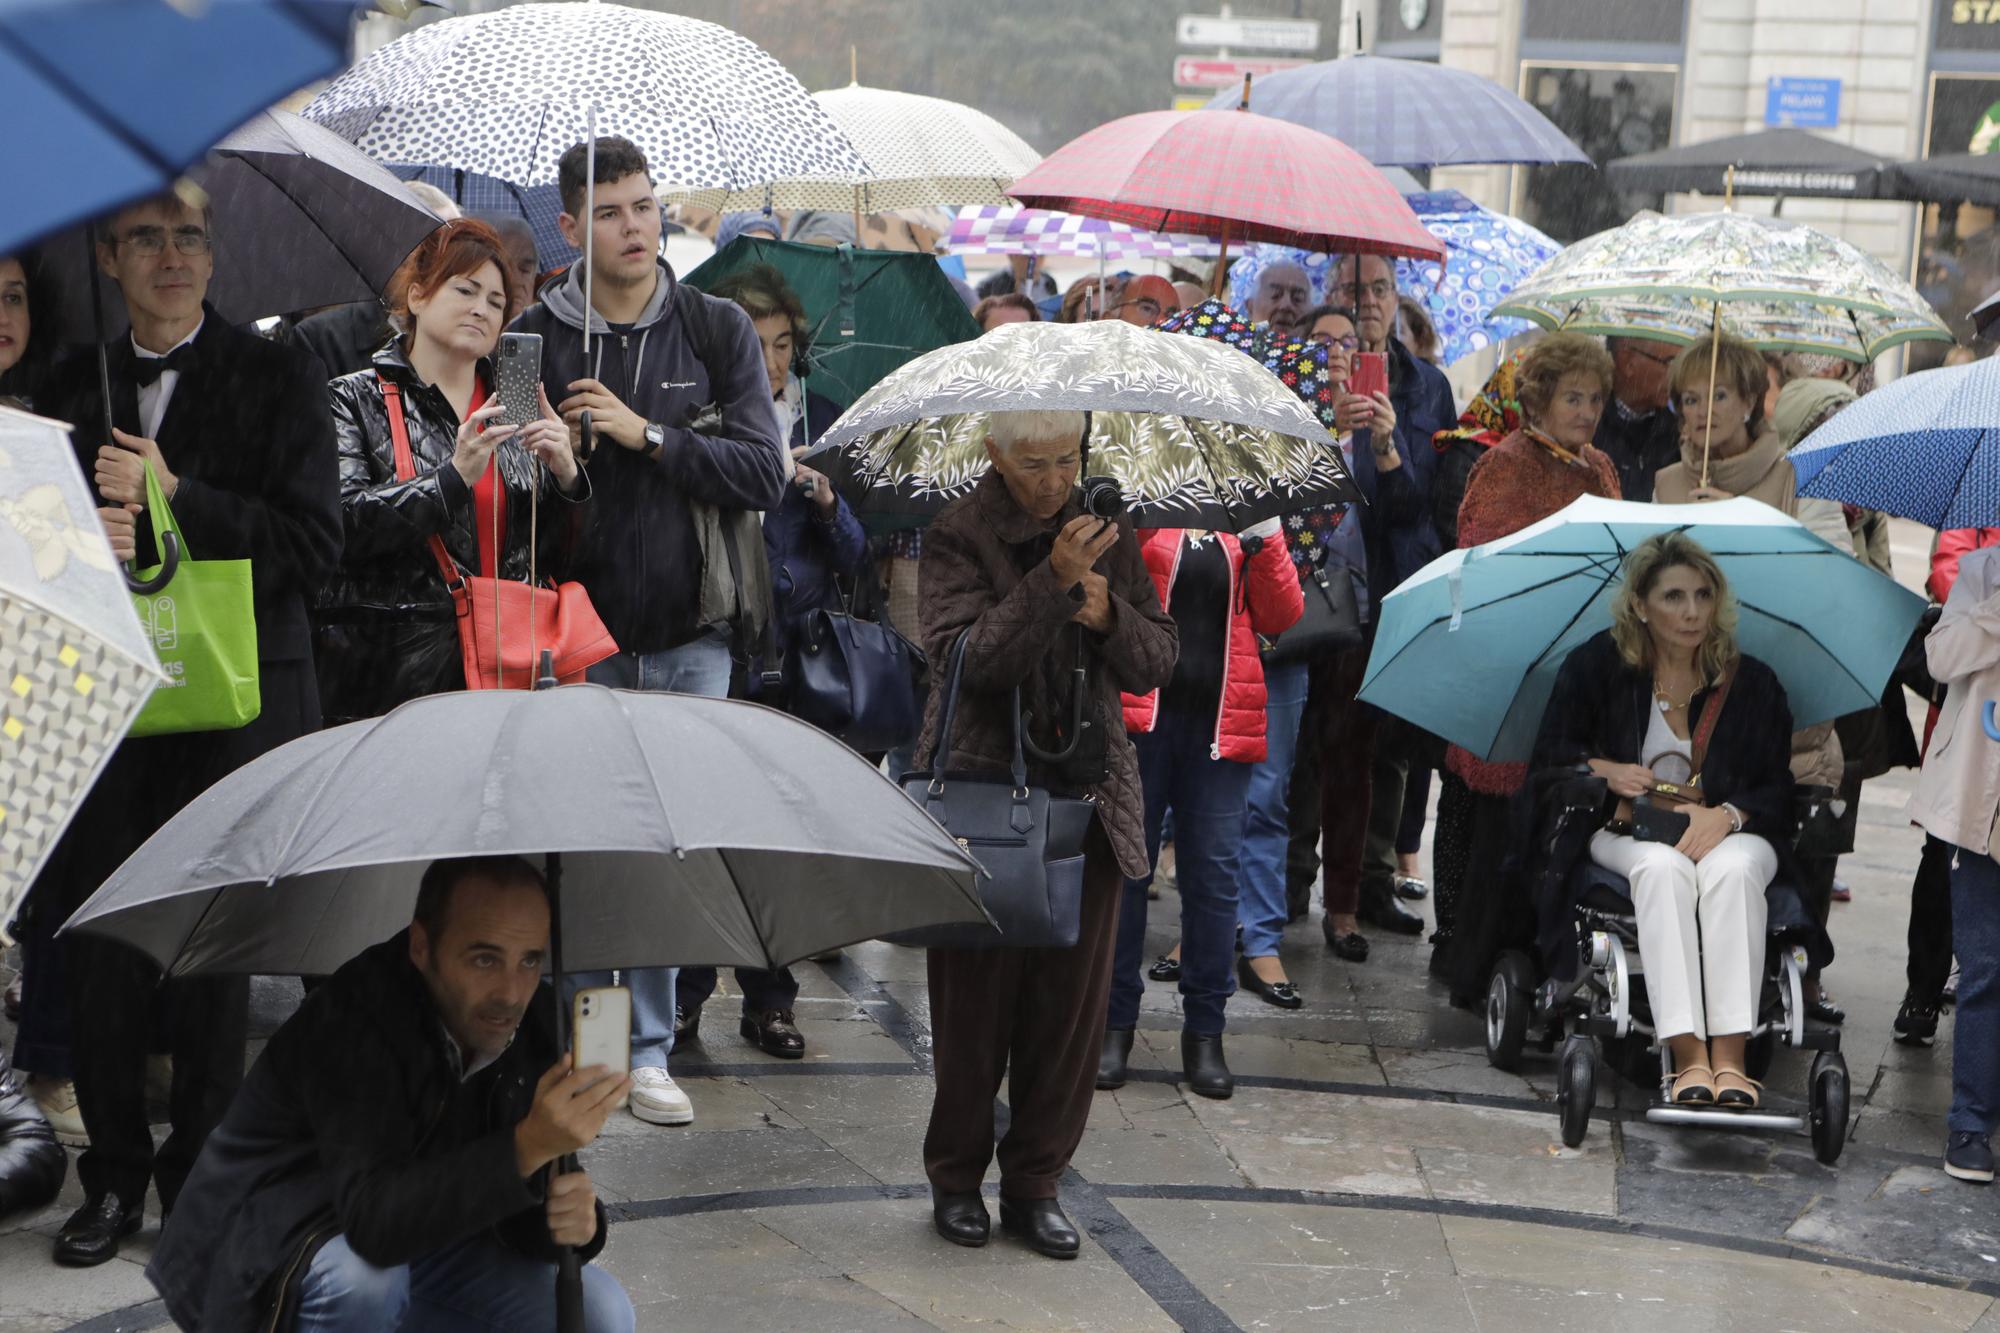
x,y
383,629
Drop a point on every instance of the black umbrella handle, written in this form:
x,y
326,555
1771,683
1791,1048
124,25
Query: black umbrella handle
x,y
586,439
569,1267
170,560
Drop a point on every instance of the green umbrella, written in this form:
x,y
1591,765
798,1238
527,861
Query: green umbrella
x,y
867,311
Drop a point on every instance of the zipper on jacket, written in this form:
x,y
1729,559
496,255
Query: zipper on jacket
x,y
1166,609
1228,618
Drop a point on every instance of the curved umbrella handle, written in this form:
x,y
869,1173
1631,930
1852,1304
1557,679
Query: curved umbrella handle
x,y
1986,720
170,560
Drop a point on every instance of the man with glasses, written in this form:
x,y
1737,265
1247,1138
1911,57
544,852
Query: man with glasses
x,y
238,432
1637,430
1145,301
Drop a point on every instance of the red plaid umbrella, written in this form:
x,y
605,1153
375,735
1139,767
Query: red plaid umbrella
x,y
1237,175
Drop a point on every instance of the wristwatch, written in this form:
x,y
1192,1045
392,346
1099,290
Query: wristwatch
x,y
656,439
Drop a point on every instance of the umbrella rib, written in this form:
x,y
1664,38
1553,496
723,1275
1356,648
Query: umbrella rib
x,y
1810,637
338,248
659,794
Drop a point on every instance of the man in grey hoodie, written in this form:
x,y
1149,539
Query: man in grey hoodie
x,y
661,356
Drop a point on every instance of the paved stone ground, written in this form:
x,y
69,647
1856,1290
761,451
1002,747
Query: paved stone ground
x,y
1372,1171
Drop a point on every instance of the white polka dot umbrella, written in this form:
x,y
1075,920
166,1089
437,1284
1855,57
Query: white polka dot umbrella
x,y
505,94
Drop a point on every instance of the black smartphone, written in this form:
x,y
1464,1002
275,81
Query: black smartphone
x,y
518,376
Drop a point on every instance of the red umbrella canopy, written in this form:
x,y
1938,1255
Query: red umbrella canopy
x,y
1233,174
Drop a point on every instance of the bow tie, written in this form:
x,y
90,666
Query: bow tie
x,y
148,369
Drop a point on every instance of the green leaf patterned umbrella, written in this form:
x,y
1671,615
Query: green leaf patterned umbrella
x,y
75,664
1781,286
1197,434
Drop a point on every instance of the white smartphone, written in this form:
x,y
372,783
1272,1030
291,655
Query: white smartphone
x,y
601,1029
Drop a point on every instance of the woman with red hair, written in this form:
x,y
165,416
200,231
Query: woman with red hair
x,y
385,629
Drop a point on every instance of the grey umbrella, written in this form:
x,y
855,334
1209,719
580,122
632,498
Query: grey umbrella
x,y
303,218
691,831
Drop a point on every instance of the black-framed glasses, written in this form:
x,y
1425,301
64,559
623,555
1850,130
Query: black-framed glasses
x,y
148,242
1381,289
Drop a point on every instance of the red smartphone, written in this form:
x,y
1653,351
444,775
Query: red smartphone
x,y
1370,375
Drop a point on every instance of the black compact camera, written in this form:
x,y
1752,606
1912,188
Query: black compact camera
x,y
1103,496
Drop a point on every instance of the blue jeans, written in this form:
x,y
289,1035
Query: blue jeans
x,y
1266,824
1975,1037
476,1284
699,667
1207,797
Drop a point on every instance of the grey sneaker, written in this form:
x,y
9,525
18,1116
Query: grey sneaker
x,y
1968,1156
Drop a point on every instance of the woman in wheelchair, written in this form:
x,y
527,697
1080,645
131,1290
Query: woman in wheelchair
x,y
1693,740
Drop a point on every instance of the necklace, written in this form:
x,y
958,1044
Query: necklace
x,y
1666,701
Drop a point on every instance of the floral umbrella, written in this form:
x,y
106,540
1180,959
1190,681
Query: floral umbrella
x,y
1196,435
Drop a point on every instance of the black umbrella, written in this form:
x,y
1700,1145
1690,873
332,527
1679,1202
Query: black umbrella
x,y
1780,162
1973,178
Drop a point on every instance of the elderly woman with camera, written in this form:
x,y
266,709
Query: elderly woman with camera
x,y
1054,601
1694,741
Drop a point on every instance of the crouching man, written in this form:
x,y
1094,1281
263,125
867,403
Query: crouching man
x,y
382,1165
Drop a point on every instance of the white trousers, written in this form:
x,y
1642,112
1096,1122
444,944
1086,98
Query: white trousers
x,y
1701,928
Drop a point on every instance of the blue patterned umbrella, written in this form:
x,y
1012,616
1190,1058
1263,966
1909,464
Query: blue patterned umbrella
x,y
537,205
1408,113
1486,254
1926,447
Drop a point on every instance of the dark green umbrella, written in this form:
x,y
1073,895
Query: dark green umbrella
x,y
867,311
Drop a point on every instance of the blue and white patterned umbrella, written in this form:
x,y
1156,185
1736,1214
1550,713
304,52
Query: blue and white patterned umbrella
x,y
1408,113
537,205
1486,254
1926,447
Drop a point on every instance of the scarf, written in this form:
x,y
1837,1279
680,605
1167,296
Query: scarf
x,y
1741,475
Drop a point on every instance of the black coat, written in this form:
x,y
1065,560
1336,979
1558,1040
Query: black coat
x,y
344,337
1639,447
248,434
354,1123
1600,708
385,631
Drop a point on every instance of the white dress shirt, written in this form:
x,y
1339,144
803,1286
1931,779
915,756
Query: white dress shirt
x,y
154,397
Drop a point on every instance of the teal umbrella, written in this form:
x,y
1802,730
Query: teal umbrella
x,y
1469,646
867,311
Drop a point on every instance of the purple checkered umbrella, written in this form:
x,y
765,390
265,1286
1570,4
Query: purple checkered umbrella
x,y
991,229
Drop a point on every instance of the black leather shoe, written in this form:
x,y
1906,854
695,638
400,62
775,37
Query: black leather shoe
x,y
1165,968
1041,1223
1281,993
1349,944
687,1025
93,1231
962,1219
1116,1055
1202,1064
1381,910
1824,1010
774,1033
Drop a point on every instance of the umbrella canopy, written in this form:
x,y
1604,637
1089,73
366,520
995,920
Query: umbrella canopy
x,y
867,312
1196,435
1469,646
507,93
1410,113
75,663
1243,177
85,86
1008,229
1971,177
301,219
692,831
1782,161
1300,365
1926,446
1664,278
921,152
1487,256
486,196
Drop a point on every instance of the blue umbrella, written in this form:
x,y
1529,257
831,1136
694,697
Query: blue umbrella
x,y
1926,447
1408,113
1468,648
537,205
1486,255
110,100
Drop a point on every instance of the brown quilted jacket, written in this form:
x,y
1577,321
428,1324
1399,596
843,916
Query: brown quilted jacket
x,y
985,564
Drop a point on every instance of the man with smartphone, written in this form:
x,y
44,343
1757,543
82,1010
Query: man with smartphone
x,y
686,451
384,1163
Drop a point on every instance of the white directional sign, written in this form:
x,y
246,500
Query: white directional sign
x,y
1258,34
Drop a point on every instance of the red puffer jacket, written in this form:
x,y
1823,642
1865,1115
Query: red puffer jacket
x,y
1263,599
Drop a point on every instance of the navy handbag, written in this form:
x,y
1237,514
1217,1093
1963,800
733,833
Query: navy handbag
x,y
855,679
1028,841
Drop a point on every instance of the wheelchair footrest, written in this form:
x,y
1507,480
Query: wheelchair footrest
x,y
1715,1117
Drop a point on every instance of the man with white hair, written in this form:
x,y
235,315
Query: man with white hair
x,y
1284,294
1038,589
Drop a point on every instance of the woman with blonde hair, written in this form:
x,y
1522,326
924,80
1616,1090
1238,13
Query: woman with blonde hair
x,y
1664,706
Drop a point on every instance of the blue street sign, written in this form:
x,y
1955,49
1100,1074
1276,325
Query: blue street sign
x,y
1806,104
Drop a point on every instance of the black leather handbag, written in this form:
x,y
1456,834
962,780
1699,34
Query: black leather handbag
x,y
1028,841
1331,620
855,679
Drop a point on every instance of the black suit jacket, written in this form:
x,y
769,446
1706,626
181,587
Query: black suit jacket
x,y
249,433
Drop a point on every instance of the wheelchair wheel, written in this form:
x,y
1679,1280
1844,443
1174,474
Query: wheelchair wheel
x,y
1509,997
1827,1094
1576,1088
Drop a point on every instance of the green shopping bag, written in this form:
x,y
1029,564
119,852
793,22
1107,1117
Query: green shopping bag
x,y
203,624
